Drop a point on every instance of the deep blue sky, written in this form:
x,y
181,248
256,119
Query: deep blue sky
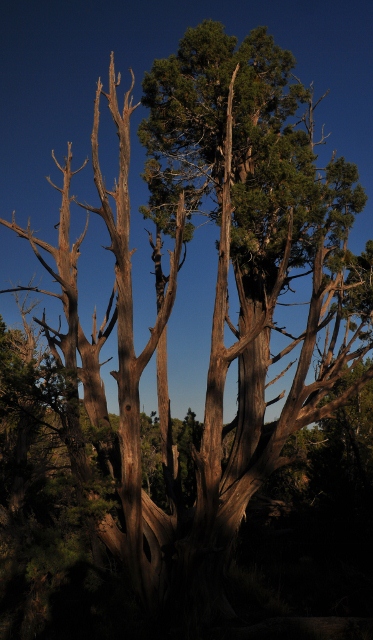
x,y
52,53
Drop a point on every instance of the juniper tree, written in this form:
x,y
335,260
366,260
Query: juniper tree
x,y
288,219
223,126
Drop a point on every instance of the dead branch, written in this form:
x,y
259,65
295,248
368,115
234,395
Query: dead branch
x,y
27,234
280,374
296,341
35,289
166,308
274,400
230,324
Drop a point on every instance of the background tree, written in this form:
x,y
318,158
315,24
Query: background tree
x,y
22,411
345,459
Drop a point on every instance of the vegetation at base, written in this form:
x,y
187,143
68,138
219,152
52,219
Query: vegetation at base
x,y
302,551
307,563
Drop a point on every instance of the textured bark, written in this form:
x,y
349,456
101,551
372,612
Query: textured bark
x,y
135,505
252,372
168,449
208,459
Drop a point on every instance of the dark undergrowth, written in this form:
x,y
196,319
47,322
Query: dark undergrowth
x,y
309,566
295,566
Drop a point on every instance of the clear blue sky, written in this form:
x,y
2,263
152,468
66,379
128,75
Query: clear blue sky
x,y
52,53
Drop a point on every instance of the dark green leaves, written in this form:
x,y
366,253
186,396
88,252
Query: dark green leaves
x,y
274,170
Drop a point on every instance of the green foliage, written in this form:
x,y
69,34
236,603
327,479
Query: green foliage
x,y
54,553
187,93
290,484
342,469
18,375
273,163
359,301
22,412
152,458
187,97
332,472
188,433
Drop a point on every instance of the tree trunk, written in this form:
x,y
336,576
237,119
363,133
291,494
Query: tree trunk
x,y
252,371
168,450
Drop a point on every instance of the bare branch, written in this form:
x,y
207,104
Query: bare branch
x,y
236,349
28,235
282,270
181,264
105,211
57,163
109,328
94,327
151,241
296,341
36,289
47,327
73,173
279,397
105,361
88,207
280,374
170,294
79,241
230,324
298,275
229,427
53,185
65,285
320,99
307,416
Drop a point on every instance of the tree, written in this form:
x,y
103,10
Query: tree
x,y
345,460
222,125
135,503
286,216
22,411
